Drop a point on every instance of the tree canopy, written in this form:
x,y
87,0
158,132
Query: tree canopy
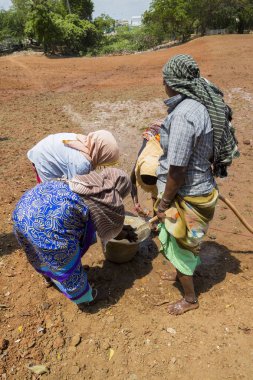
x,y
66,26
180,18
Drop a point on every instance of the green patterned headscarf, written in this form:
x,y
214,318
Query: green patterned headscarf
x,y
181,73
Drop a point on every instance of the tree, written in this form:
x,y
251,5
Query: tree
x,y
235,15
169,19
83,8
58,31
104,23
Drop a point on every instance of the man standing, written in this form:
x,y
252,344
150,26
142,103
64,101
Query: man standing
x,y
198,143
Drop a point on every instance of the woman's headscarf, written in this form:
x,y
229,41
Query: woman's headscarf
x,y
103,193
181,73
99,147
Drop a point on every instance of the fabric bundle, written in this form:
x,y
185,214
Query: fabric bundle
x,y
103,193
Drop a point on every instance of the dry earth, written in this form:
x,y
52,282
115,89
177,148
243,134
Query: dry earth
x,y
124,336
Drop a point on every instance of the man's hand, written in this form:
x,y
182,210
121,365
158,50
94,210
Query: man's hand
x,y
163,206
161,216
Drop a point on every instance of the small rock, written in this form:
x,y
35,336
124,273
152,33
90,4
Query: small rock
x,y
212,236
246,142
72,349
7,294
49,323
223,217
45,306
110,319
133,376
171,330
59,342
38,369
31,344
41,330
231,194
76,340
4,344
74,370
13,371
173,360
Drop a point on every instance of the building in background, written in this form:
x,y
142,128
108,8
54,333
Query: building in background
x,y
136,21
121,23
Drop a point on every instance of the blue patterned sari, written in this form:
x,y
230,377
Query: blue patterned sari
x,y
53,226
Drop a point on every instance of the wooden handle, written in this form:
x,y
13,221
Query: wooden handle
x,y
236,212
154,219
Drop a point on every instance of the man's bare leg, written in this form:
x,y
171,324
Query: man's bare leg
x,y
190,301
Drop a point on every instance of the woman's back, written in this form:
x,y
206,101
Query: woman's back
x,y
53,159
51,216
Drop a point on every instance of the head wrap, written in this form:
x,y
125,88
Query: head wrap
x,y
99,147
181,73
147,164
103,193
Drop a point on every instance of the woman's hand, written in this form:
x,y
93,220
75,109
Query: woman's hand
x,y
140,211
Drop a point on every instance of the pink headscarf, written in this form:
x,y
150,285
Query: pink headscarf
x,y
99,147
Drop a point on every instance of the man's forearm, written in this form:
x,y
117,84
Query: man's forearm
x,y
175,179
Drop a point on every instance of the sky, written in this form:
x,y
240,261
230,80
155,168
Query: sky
x,y
118,9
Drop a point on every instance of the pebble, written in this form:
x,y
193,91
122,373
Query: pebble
x,y
31,344
72,349
212,236
4,344
171,330
110,319
76,340
246,142
49,323
58,342
74,370
41,330
133,376
45,306
173,360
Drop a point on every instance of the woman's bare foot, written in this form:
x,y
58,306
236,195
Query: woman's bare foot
x,y
171,276
181,307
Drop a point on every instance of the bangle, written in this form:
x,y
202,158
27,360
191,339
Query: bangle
x,y
166,202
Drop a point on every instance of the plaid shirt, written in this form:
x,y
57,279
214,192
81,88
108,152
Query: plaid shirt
x,y
187,140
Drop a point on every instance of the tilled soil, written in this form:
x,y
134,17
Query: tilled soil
x,y
128,334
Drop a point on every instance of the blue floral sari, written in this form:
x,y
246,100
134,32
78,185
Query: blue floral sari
x,y
53,226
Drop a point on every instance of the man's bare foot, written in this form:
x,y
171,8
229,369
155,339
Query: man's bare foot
x,y
171,276
181,307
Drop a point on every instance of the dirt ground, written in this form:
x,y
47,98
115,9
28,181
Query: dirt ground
x,y
125,336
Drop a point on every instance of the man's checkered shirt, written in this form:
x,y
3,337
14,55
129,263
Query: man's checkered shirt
x,y
187,140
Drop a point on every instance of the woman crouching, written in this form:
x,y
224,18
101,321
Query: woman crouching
x,y
56,222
